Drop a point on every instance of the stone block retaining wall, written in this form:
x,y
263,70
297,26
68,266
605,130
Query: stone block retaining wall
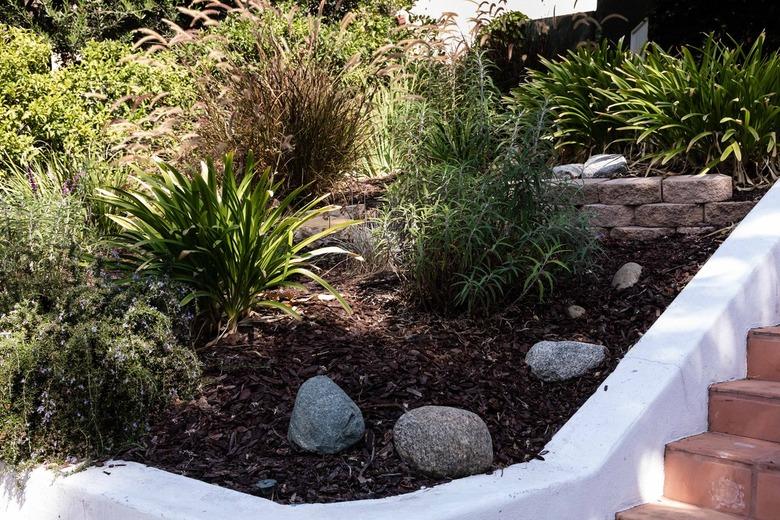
x,y
643,208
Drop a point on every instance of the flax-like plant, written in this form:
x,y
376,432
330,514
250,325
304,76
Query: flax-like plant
x,y
230,241
711,108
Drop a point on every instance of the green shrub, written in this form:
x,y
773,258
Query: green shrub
x,y
332,42
709,108
576,90
337,9
716,107
87,378
22,53
230,242
506,42
69,110
391,137
72,23
473,215
43,242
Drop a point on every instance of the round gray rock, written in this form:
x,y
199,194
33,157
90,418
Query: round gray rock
x,y
443,442
605,166
324,418
561,360
627,276
568,171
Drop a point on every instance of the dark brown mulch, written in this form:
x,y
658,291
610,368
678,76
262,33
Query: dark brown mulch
x,y
391,357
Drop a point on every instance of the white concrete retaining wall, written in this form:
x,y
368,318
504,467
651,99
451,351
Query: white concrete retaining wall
x,y
607,457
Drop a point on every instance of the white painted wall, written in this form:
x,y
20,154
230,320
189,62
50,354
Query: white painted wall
x,y
532,8
466,9
608,457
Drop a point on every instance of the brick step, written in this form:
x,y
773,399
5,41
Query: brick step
x,y
671,510
725,473
746,408
764,354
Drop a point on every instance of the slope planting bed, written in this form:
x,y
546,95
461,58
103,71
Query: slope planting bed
x,y
390,358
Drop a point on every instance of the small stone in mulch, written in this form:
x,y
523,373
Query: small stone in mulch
x,y
442,441
575,312
266,486
605,166
627,276
324,418
561,360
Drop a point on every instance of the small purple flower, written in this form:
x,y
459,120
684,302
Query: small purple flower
x,y
31,180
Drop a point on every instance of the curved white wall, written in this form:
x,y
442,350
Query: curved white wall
x,y
607,457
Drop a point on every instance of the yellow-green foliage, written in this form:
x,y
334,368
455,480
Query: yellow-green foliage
x,y
68,110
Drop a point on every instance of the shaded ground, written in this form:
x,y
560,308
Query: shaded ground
x,y
390,357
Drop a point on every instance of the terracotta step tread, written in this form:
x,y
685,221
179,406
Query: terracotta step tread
x,y
749,387
671,510
731,448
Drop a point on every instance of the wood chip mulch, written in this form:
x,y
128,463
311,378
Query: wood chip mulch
x,y
390,357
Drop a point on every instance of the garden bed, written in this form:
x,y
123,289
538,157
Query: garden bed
x,y
389,358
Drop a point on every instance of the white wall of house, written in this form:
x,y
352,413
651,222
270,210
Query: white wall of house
x,y
532,8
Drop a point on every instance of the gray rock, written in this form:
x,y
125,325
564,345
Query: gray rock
x,y
443,442
575,312
627,276
568,171
561,360
605,166
324,418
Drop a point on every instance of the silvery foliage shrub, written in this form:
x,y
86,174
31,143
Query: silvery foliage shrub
x,y
86,378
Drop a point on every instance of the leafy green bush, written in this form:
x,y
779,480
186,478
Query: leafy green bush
x,y
86,379
506,42
230,242
709,108
337,9
43,241
473,215
72,23
23,53
718,108
575,91
69,110
332,42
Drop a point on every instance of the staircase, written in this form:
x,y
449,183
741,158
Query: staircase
x,y
731,472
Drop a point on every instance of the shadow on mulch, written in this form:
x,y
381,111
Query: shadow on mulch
x,y
390,357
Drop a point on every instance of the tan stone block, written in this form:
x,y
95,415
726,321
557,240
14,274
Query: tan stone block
x,y
697,189
631,191
583,191
726,213
626,234
609,216
703,230
669,215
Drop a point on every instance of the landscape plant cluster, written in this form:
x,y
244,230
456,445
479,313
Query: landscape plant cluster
x,y
157,189
713,108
